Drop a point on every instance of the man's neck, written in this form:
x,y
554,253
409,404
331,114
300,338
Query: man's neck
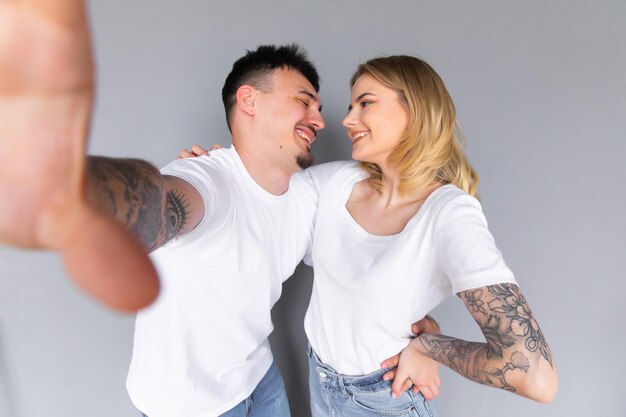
x,y
271,177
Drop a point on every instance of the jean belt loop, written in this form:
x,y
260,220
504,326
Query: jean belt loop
x,y
341,384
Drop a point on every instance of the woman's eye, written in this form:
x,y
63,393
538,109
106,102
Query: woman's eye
x,y
365,103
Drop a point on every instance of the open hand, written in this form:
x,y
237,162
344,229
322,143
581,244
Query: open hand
x,y
46,94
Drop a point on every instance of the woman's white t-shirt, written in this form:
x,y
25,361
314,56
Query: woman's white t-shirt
x,y
369,289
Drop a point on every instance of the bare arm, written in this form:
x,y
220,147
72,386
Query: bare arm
x,y
154,207
515,357
46,95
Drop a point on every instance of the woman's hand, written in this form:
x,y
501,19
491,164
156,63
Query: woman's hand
x,y
425,325
415,368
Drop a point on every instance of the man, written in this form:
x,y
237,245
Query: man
x,y
238,220
202,348
240,225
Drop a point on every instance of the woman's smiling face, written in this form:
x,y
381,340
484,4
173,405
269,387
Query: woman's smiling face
x,y
376,120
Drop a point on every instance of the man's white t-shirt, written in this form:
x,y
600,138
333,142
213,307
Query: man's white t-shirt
x,y
369,289
202,347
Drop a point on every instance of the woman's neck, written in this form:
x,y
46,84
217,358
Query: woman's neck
x,y
392,194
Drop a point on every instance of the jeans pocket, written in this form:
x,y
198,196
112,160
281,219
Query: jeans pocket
x,y
380,403
423,407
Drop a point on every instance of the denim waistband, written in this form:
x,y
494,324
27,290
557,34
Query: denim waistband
x,y
371,382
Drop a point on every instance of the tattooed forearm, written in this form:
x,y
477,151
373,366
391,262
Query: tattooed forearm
x,y
514,341
133,191
474,360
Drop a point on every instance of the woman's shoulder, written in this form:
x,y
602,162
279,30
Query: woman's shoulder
x,y
450,202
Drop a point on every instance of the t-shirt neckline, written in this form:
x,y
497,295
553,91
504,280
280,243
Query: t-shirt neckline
x,y
347,191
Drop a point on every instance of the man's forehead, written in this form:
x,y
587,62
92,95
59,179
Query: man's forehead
x,y
293,81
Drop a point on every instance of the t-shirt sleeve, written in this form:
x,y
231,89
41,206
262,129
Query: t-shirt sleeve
x,y
466,249
317,176
216,193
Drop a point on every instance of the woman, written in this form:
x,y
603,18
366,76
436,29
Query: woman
x,y
397,233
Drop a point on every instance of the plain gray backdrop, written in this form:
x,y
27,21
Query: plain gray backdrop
x,y
541,96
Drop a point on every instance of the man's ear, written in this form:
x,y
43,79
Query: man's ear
x,y
246,96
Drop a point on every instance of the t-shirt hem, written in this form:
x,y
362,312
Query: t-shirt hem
x,y
138,402
504,277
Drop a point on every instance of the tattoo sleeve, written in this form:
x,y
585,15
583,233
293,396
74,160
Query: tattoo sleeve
x,y
514,342
135,193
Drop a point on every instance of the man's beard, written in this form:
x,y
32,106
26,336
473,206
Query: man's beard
x,y
304,160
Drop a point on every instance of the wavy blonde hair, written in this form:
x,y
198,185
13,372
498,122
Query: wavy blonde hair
x,y
430,149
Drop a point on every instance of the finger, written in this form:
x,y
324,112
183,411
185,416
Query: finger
x,y
435,390
184,153
216,147
406,385
390,362
416,329
108,262
389,375
415,389
426,392
198,150
396,386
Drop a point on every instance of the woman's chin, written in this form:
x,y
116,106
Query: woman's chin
x,y
358,156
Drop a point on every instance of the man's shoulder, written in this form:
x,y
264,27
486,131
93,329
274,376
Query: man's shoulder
x,y
319,175
217,164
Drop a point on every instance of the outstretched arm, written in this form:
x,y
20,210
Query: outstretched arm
x,y
515,356
46,94
156,208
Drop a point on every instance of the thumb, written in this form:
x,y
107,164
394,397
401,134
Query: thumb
x,y
391,362
416,328
108,263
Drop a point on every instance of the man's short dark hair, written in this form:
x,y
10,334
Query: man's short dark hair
x,y
256,67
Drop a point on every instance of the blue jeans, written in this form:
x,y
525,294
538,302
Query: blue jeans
x,y
268,399
336,395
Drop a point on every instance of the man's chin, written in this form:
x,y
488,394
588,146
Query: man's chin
x,y
304,160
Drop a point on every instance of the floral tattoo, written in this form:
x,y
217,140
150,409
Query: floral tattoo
x,y
506,321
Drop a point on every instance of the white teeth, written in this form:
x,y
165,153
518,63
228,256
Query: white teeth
x,y
304,135
359,135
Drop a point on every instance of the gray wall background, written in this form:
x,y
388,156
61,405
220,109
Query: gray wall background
x,y
541,95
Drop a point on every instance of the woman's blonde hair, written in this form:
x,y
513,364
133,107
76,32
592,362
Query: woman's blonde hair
x,y
430,149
